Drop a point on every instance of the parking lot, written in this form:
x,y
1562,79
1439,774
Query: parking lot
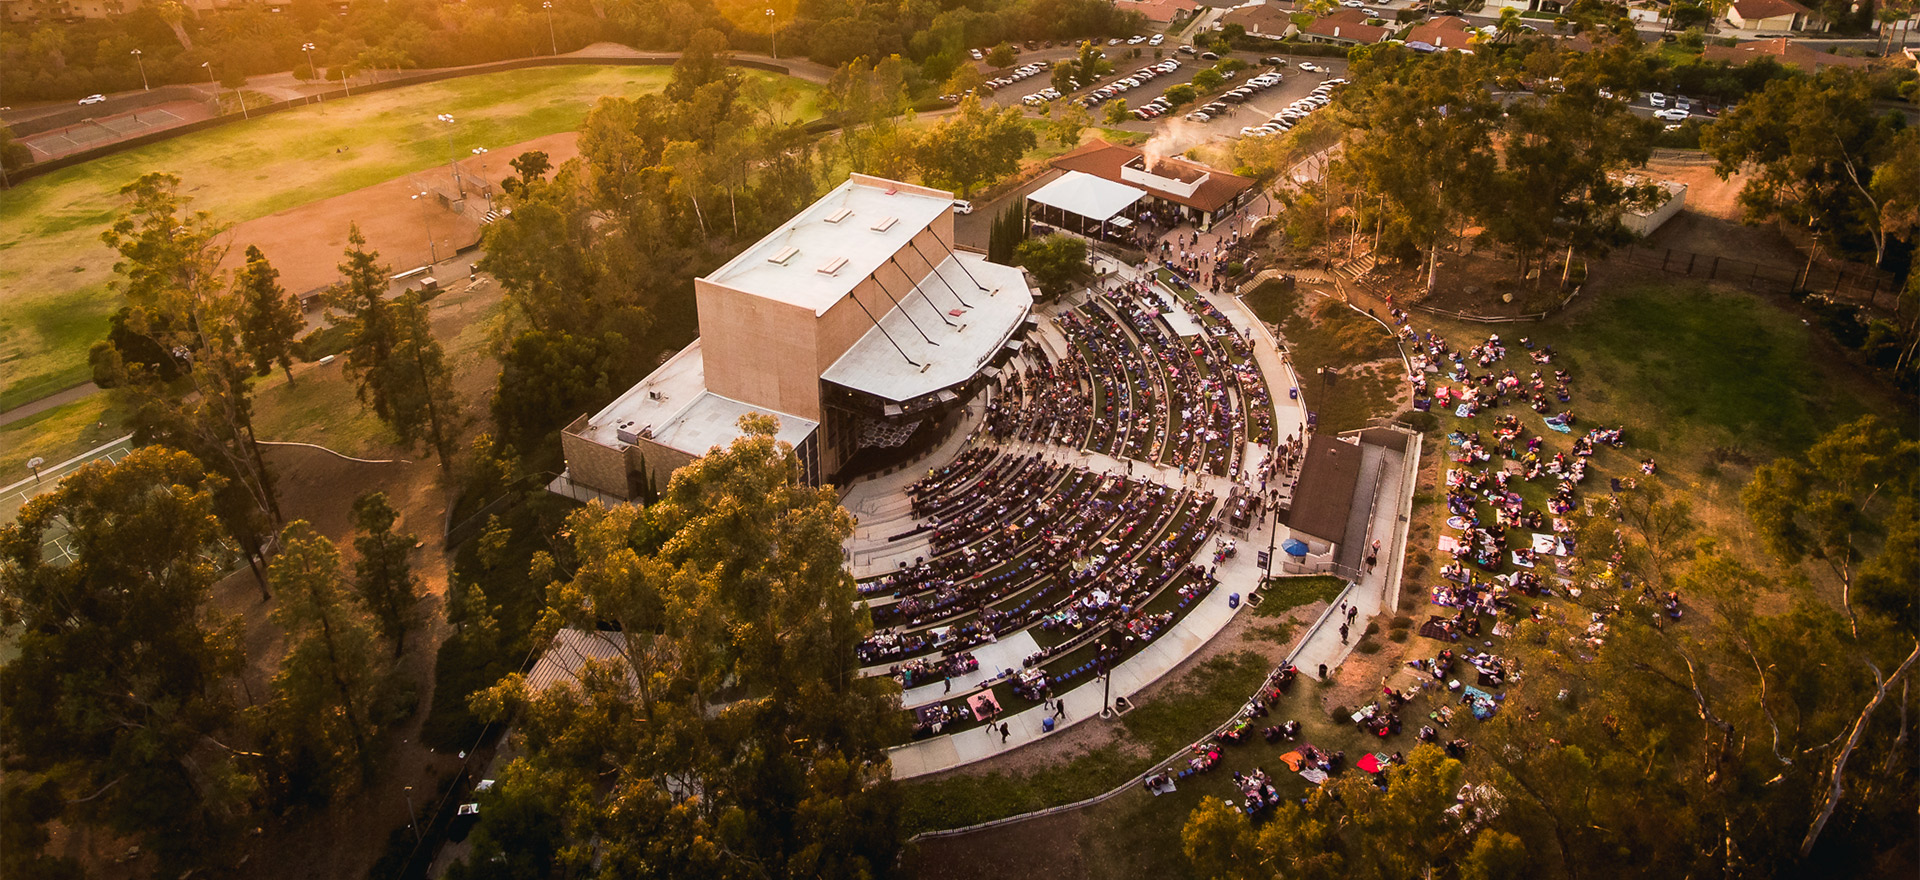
x,y
1294,84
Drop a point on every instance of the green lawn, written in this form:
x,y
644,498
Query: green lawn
x,y
54,271
1367,365
1201,700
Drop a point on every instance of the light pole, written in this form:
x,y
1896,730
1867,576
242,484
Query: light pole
x,y
552,40
773,37
413,820
453,165
433,247
482,153
137,59
308,48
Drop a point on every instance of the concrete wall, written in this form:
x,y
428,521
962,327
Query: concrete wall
x,y
601,468
759,351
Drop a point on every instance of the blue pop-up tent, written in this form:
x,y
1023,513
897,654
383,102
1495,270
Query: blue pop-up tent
x,y
1295,547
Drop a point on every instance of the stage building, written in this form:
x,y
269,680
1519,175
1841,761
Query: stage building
x,y
858,324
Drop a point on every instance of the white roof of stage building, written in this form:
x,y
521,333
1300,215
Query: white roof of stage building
x,y
852,231
675,407
967,336
1095,198
712,420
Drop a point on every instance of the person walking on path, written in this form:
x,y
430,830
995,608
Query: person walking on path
x,y
1004,733
949,685
1343,634
1060,708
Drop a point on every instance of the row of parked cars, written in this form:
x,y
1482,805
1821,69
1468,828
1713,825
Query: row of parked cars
x,y
1321,96
1239,94
1128,83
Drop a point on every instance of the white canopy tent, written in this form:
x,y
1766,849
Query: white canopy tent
x,y
1095,198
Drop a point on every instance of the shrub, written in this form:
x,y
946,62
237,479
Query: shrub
x,y
1373,627
1399,635
1402,622
1424,422
1368,646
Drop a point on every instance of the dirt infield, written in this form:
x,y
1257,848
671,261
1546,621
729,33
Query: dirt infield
x,y
120,126
306,243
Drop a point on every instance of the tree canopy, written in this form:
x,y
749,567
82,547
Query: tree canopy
x,y
739,738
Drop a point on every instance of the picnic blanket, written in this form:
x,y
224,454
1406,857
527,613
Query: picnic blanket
x,y
1449,543
1458,522
1482,703
1166,786
1435,628
1294,760
1564,429
1316,776
1371,763
1520,562
1465,411
984,705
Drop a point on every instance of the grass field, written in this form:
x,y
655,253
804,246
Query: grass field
x,y
1367,365
54,269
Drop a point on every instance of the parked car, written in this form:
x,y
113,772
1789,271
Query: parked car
x,y
977,56
1156,39
1657,99
1309,67
1185,50
93,99
1209,56
962,206
1274,61
1671,114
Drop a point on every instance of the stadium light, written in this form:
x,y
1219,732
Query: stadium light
x,y
433,248
308,48
772,37
143,70
452,162
551,39
482,153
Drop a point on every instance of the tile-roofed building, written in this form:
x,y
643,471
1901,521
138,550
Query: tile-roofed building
x,y
1445,32
1771,15
1195,192
1263,20
1345,27
1159,11
1784,51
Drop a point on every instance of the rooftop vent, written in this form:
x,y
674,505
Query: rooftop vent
x,y
833,266
840,215
885,223
785,254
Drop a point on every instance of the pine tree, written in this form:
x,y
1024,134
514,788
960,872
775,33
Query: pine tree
x,y
270,320
383,574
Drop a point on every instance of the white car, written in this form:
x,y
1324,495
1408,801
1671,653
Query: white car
x,y
1657,99
962,206
93,99
1136,40
1309,67
977,56
1156,39
1671,114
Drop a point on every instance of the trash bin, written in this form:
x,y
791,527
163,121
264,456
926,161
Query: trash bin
x,y
1046,725
1233,600
1293,393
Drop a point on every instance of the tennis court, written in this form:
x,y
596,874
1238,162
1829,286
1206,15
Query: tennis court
x,y
107,129
13,497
